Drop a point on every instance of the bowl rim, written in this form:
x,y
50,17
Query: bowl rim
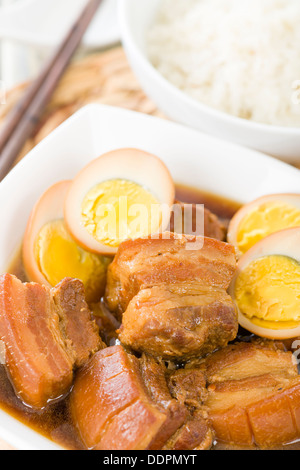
x,y
124,9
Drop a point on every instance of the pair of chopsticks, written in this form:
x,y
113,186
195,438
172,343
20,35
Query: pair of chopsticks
x,y
24,117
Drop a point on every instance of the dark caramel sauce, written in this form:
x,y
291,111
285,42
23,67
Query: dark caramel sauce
x,y
224,208
55,422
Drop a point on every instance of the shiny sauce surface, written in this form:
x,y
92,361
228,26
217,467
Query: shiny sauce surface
x,y
55,423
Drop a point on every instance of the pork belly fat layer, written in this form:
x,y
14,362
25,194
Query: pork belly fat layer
x,y
39,333
38,363
122,403
148,262
243,360
110,406
254,395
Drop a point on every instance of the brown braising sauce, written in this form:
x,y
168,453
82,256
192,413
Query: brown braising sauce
x,y
55,423
223,208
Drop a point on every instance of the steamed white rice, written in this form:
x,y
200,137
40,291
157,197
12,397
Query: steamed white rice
x,y
239,56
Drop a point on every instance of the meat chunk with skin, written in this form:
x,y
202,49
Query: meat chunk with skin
x,y
120,402
168,259
171,295
40,356
36,357
111,406
254,395
243,360
75,320
170,323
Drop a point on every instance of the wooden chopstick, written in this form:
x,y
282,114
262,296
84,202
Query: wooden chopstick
x,y
24,117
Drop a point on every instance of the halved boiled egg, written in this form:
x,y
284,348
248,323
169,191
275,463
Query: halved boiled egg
x,y
123,194
49,252
262,217
266,286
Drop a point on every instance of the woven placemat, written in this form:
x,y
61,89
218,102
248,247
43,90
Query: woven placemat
x,y
104,78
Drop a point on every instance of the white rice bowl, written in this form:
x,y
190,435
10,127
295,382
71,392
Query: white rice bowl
x,y
238,56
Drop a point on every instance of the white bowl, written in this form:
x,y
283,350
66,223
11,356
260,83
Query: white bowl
x,y
31,29
135,17
193,158
44,23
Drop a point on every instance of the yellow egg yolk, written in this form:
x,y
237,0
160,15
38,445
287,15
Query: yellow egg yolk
x,y
58,256
116,210
264,220
268,292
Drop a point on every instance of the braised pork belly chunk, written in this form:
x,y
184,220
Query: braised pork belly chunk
x,y
170,294
81,333
46,333
111,406
167,259
178,325
254,395
120,402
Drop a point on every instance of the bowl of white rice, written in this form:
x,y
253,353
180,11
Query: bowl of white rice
x,y
230,68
